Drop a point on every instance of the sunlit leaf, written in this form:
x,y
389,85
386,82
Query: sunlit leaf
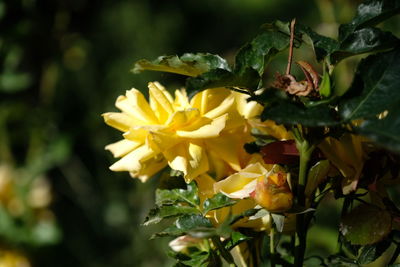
x,y
188,64
217,201
159,213
363,41
235,239
370,13
168,197
366,225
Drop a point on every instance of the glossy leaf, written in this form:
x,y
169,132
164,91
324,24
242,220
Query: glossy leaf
x,y
322,45
375,86
159,213
316,175
291,113
169,197
384,132
235,239
249,78
217,201
194,224
370,253
370,13
257,53
366,225
188,64
364,40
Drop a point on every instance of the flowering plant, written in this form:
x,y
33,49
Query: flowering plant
x,y
247,163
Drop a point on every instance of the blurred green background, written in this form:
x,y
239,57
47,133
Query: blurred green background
x,y
62,64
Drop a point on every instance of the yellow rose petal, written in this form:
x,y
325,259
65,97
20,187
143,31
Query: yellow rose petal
x,y
122,147
206,131
132,161
161,101
120,121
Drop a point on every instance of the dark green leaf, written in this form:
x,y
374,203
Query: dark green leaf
x,y
194,224
370,253
375,86
370,13
340,261
322,45
203,258
257,53
292,113
217,201
224,78
364,40
158,214
366,225
235,239
384,132
169,197
188,64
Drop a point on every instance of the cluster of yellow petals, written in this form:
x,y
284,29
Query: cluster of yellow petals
x,y
201,137
204,134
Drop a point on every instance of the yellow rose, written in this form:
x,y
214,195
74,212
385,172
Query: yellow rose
x,y
204,134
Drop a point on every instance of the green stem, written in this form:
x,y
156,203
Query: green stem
x,y
395,254
305,151
272,246
224,253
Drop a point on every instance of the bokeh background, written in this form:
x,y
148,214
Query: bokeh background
x,y
62,64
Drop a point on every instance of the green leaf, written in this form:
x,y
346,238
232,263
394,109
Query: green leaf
x,y
169,197
216,202
188,64
375,86
384,132
293,113
340,261
195,225
279,221
322,45
257,53
316,175
235,239
369,13
325,87
370,253
364,40
159,213
366,225
249,78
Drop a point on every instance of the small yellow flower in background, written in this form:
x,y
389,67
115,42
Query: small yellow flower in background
x,y
10,258
204,134
348,156
267,184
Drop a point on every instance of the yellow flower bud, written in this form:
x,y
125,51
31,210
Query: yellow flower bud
x,y
273,192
